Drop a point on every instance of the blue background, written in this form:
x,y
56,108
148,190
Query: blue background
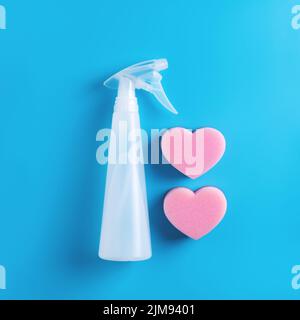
x,y
234,65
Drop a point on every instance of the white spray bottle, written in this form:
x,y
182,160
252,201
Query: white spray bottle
x,y
125,233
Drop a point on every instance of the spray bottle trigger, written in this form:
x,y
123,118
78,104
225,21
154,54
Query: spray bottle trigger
x,y
151,82
144,75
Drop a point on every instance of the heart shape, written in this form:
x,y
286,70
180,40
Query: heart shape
x,y
193,153
195,213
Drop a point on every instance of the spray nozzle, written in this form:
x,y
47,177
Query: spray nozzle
x,y
144,75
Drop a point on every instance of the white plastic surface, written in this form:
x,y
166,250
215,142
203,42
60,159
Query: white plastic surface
x,y
146,76
125,234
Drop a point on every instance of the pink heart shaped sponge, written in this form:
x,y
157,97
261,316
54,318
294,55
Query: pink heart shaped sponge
x,y
195,213
193,153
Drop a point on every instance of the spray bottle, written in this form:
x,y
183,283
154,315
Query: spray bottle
x,y
125,233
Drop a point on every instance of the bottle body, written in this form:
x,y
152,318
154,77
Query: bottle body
x,y
125,232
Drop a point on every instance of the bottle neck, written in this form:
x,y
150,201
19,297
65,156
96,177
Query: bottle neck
x,y
126,100
126,105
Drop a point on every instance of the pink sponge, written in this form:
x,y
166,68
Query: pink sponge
x,y
193,153
195,213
